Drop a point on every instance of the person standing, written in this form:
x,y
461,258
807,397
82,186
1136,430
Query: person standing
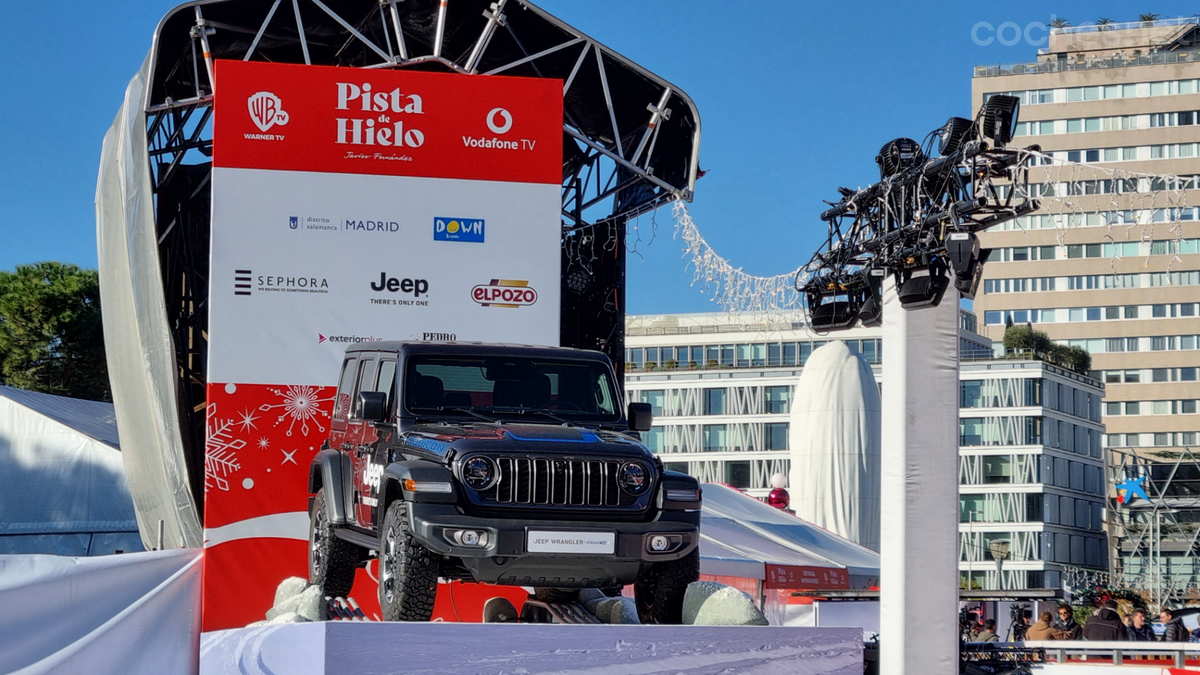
x,y
1042,628
1065,626
988,634
1139,630
1106,624
1173,628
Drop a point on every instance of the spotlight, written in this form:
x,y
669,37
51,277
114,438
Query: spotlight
x,y
924,286
963,250
831,304
1000,118
871,312
954,135
578,281
898,155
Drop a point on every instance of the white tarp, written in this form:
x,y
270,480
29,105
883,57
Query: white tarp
x,y
137,339
835,445
64,485
780,531
128,614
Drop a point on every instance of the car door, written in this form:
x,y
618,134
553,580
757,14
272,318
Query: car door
x,y
359,441
377,438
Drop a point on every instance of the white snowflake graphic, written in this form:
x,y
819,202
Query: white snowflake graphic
x,y
246,420
264,443
220,451
300,405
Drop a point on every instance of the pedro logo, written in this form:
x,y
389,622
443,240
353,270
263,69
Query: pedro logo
x,y
458,229
504,293
266,110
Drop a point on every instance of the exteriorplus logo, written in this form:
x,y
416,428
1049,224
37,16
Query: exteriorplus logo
x,y
504,293
266,111
347,339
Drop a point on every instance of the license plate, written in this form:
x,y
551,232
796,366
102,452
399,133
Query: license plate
x,y
602,543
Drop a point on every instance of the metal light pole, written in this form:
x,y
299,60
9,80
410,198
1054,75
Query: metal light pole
x,y
999,548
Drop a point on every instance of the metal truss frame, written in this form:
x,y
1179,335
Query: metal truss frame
x,y
631,138
1145,539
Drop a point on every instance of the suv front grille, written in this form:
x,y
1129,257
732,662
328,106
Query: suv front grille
x,y
547,481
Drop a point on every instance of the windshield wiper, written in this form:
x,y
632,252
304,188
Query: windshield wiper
x,y
472,413
526,411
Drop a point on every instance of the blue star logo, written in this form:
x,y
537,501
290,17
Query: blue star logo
x,y
1130,488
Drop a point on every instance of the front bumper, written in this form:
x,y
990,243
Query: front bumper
x,y
504,559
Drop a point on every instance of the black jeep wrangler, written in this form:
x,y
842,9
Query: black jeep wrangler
x,y
502,464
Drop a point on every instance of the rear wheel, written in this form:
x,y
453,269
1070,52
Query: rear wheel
x,y
659,590
332,562
407,570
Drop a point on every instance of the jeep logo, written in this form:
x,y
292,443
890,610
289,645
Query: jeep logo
x,y
393,285
374,473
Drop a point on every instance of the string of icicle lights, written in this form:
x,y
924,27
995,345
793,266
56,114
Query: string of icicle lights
x,y
1074,195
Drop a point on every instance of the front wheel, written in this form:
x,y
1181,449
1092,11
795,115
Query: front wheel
x,y
408,572
332,562
659,590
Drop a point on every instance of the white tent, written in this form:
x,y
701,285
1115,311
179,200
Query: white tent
x,y
64,483
738,531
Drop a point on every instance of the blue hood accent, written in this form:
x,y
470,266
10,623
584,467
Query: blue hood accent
x,y
549,434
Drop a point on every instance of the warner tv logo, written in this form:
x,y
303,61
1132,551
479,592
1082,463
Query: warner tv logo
x,y
458,229
266,111
510,293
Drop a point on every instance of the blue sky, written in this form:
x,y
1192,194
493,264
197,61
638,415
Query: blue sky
x,y
796,98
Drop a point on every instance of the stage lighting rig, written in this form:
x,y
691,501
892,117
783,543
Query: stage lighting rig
x,y
920,221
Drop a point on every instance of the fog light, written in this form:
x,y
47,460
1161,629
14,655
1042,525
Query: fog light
x,y
468,538
659,543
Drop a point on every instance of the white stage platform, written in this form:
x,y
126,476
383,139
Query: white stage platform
x,y
531,649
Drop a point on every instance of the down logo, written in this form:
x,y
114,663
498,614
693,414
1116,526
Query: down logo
x,y
504,293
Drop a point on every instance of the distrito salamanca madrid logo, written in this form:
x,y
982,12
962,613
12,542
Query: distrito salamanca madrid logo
x,y
266,110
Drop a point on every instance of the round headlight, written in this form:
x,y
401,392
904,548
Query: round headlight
x,y
478,473
632,478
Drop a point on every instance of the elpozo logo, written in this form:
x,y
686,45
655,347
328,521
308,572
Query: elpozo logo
x,y
458,229
511,293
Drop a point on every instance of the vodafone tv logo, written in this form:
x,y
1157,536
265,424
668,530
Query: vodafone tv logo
x,y
509,293
266,110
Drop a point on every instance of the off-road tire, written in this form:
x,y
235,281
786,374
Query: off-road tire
x,y
659,590
408,572
556,594
332,562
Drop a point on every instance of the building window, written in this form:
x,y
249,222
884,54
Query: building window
x,y
655,398
737,474
997,469
714,437
653,439
970,431
789,353
775,436
1160,375
681,467
970,394
1112,408
776,399
714,401
1132,407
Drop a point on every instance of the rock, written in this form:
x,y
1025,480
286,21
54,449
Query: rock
x,y
289,588
309,603
624,613
605,609
695,595
728,607
288,617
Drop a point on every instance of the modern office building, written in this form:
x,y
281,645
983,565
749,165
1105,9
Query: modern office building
x,y
1113,263
1031,463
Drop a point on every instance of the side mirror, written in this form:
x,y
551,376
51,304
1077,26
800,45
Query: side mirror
x,y
372,406
640,417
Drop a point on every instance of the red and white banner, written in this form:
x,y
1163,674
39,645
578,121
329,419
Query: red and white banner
x,y
354,205
803,577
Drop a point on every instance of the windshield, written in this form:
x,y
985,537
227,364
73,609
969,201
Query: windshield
x,y
500,386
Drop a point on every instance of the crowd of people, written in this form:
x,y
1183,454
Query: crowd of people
x,y
1106,624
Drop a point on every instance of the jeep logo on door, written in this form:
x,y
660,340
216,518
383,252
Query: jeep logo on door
x,y
504,293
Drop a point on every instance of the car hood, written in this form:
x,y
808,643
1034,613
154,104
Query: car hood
x,y
445,439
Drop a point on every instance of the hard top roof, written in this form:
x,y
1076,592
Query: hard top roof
x,y
483,348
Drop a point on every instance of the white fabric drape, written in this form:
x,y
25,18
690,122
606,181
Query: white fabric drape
x,y
130,614
919,493
137,339
834,433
